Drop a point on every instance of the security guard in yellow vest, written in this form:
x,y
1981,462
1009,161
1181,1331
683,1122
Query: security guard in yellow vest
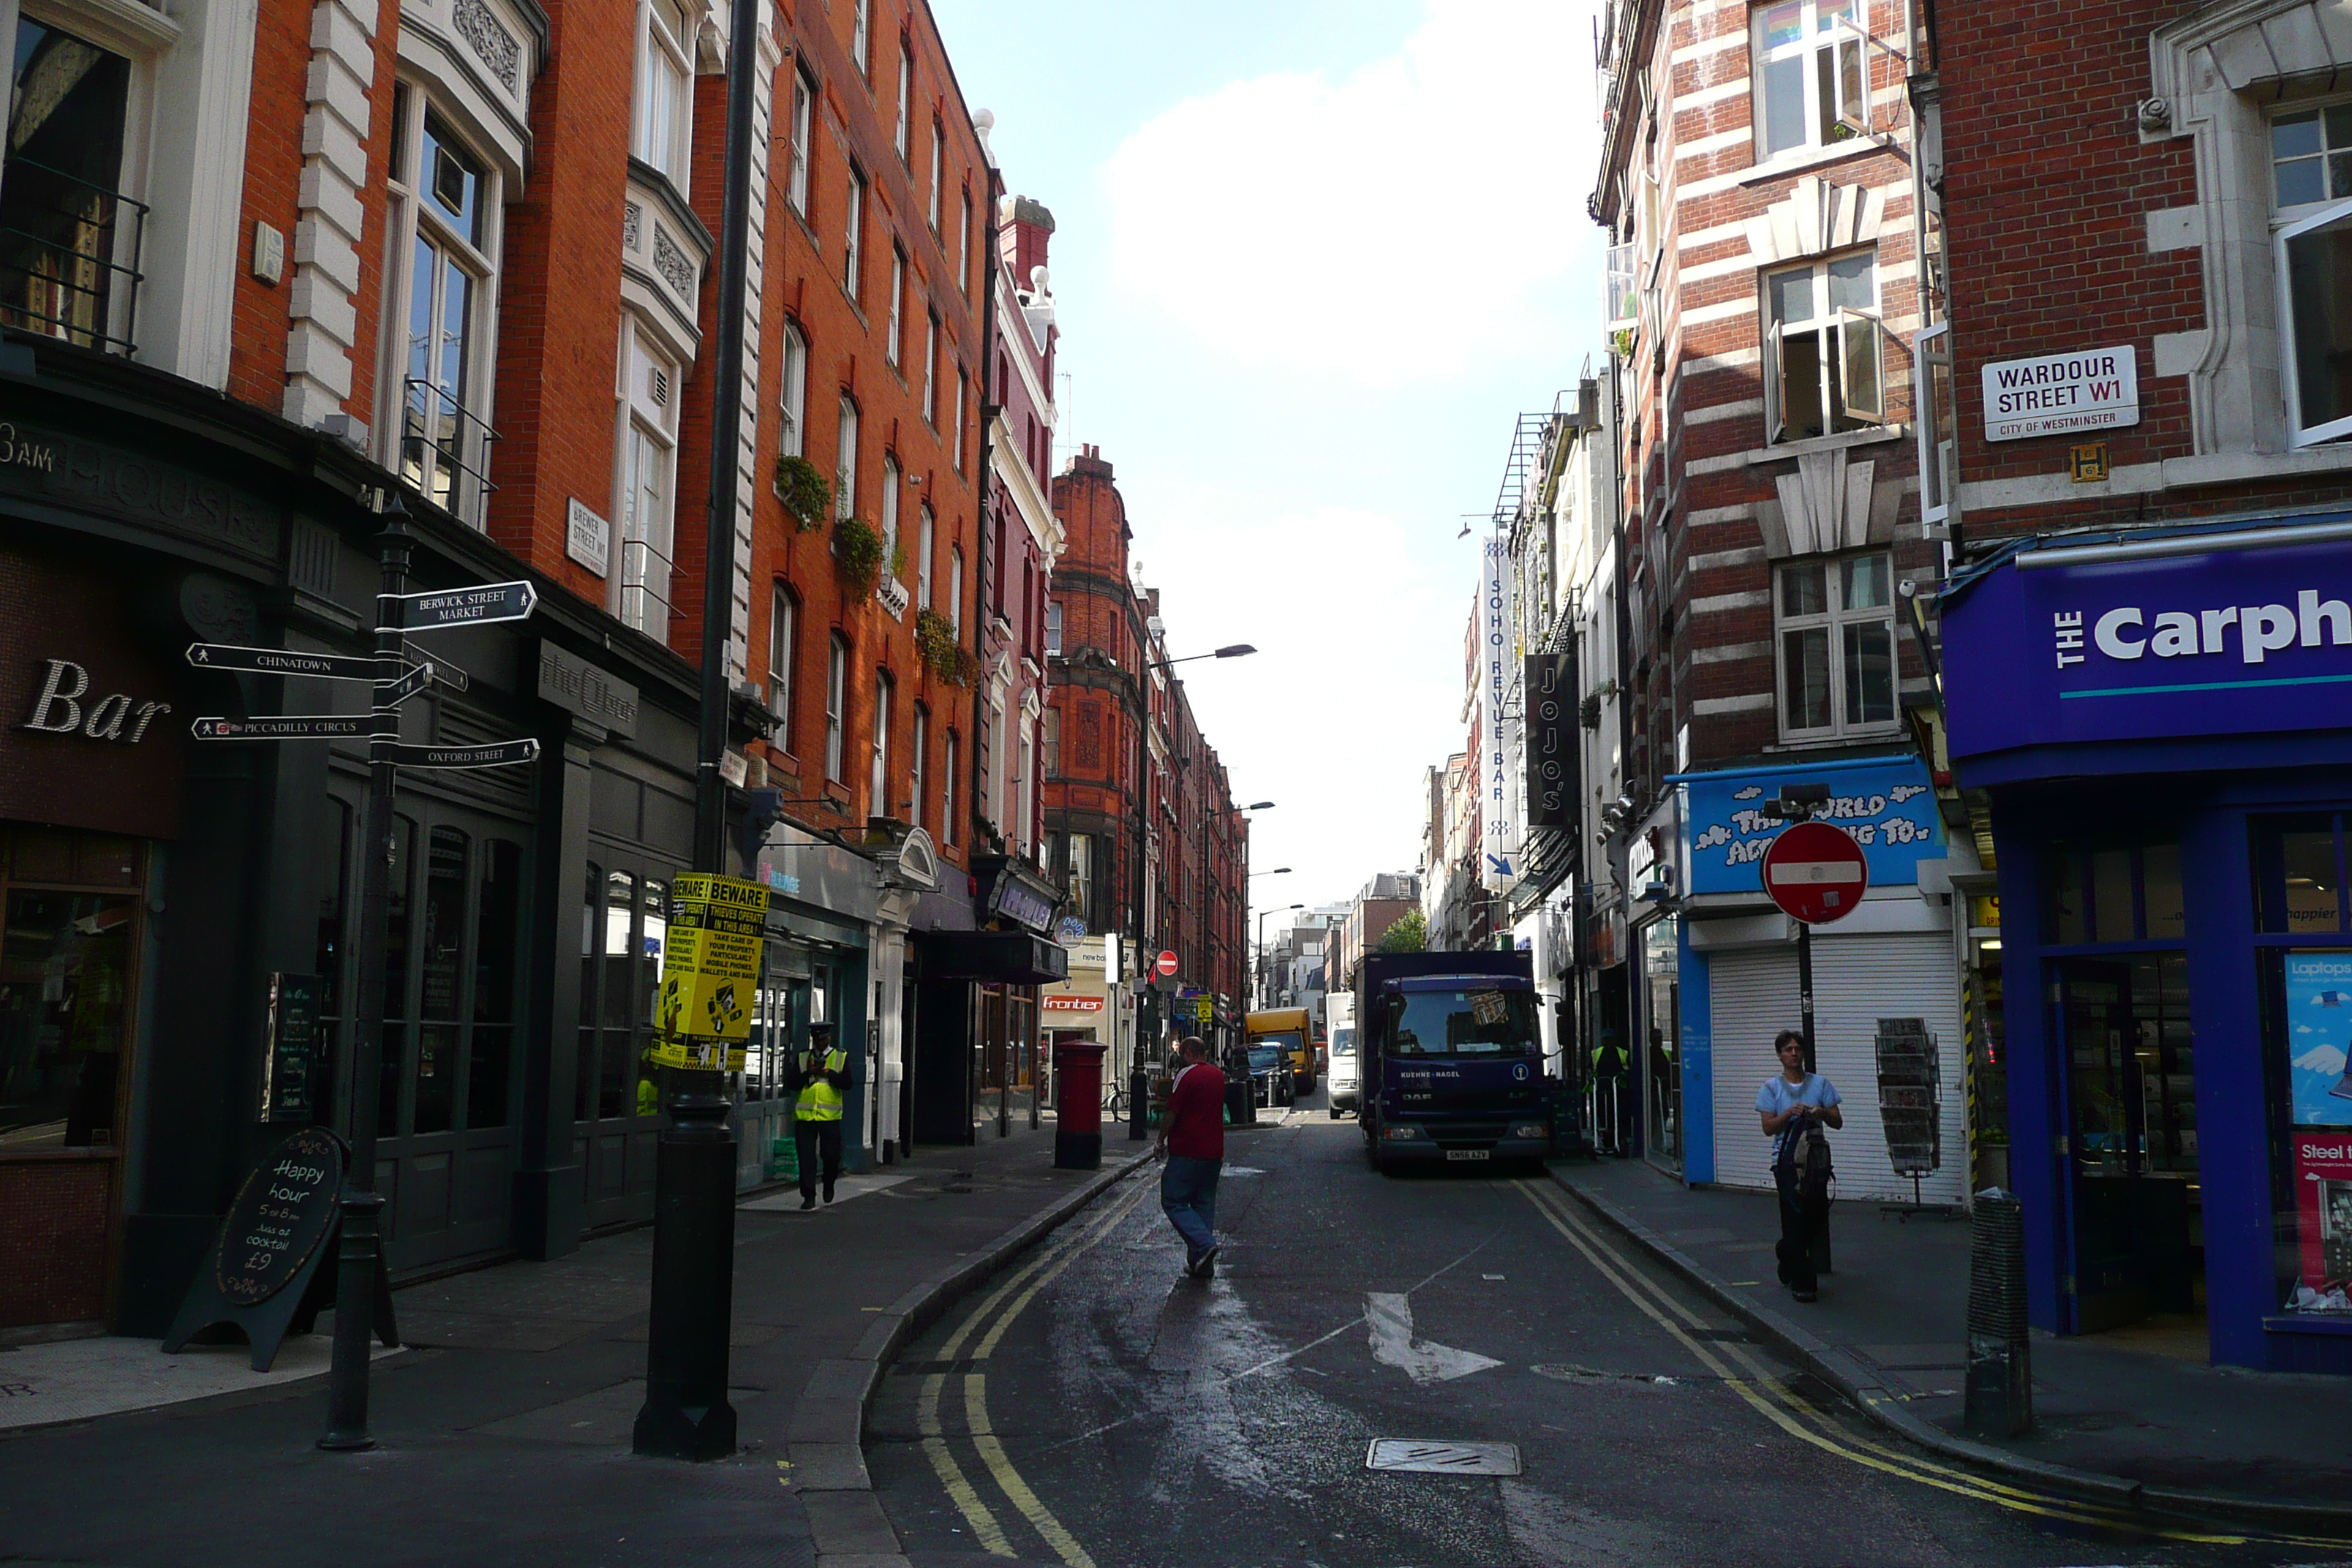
x,y
821,1073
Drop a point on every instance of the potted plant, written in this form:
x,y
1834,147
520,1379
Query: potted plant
x,y
803,490
857,555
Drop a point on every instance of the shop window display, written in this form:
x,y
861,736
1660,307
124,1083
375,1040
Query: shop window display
x,y
2299,890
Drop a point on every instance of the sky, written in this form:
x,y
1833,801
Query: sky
x,y
1311,261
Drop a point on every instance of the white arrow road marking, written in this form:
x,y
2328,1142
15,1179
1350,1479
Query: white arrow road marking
x,y
1391,1319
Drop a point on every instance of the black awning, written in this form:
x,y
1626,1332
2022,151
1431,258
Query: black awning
x,y
1008,957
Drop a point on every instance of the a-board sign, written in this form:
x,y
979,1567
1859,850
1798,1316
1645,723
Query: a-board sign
x,y
469,606
280,727
710,971
291,1050
490,755
283,1213
1815,872
238,660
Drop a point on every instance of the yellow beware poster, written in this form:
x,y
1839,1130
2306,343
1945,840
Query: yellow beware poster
x,y
710,969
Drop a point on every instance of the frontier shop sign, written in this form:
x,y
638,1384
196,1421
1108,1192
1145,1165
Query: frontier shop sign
x,y
2058,395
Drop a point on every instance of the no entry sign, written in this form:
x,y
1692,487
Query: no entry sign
x,y
1815,872
1166,964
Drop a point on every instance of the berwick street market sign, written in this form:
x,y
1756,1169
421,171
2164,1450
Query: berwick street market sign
x,y
2059,395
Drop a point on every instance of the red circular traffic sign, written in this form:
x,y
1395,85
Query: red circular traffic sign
x,y
1815,872
1166,964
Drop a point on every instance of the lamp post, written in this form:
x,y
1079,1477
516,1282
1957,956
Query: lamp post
x,y
686,1415
1256,984
1231,651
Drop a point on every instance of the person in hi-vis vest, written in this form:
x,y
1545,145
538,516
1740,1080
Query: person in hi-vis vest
x,y
821,1073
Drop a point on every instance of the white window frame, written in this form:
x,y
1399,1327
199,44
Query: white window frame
x,y
964,393
662,132
1823,114
784,650
877,783
938,172
1834,620
963,248
853,260
1856,337
1053,627
903,135
925,538
796,187
861,34
931,369
413,217
845,459
647,500
1935,422
919,779
791,439
950,761
2317,217
894,344
836,707
955,588
889,521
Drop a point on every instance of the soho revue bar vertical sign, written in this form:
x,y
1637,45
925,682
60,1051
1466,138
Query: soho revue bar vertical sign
x,y
2059,395
1498,731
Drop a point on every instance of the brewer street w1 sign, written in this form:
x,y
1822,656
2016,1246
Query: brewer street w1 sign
x,y
471,607
1815,872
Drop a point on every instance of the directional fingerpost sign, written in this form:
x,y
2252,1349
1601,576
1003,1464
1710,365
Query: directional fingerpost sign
x,y
280,727
279,661
394,693
493,754
1815,872
444,674
469,606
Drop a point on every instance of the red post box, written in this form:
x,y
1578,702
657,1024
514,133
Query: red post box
x,y
1077,1104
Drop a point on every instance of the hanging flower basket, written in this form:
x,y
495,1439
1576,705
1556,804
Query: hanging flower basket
x,y
803,490
857,555
935,640
967,668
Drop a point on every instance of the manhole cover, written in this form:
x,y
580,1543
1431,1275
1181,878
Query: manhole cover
x,y
1438,1458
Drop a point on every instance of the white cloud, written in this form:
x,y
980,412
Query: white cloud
x,y
1407,220
1343,705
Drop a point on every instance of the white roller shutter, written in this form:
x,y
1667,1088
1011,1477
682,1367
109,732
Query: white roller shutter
x,y
1857,980
1753,994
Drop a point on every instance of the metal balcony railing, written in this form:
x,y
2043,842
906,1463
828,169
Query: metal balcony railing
x,y
645,588
445,449
68,257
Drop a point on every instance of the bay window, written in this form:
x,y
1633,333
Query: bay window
x,y
649,440
1835,624
1824,349
665,98
443,220
1811,82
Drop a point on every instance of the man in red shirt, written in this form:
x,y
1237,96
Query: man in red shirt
x,y
1193,1141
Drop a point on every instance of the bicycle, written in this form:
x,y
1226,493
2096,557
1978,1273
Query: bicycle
x,y
1116,1103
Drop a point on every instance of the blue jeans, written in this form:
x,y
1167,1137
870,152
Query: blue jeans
x,y
1188,1191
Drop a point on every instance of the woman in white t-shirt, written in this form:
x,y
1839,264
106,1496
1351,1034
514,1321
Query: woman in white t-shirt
x,y
1790,1102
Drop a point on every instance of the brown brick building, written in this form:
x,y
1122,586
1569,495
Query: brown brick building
x,y
1140,817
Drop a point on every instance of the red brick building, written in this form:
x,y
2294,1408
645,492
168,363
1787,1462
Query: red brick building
x,y
270,279
2142,631
1138,813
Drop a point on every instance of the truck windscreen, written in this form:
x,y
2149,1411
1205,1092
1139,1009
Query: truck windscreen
x,y
1343,1042
1470,1022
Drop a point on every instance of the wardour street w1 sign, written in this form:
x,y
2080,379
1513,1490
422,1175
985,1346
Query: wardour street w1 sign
x,y
2060,394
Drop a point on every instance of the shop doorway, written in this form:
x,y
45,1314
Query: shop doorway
x,y
1661,1057
2134,1230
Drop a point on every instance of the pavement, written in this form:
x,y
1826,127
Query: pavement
x,y
503,1423
2136,1415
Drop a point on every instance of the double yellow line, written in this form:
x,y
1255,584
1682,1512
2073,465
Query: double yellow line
x,y
1766,1392
1021,1287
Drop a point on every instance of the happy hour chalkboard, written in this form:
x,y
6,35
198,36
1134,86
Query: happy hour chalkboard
x,y
285,1211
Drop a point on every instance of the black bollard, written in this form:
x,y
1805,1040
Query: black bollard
x,y
685,1414
2000,1395
1138,1103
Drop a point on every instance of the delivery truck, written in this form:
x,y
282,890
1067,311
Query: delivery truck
x,y
1450,1052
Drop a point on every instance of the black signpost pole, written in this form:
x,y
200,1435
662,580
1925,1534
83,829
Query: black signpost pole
x,y
1805,987
686,1415
361,1205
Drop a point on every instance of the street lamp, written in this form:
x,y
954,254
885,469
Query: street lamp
x,y
1256,983
1259,805
1231,651
1277,871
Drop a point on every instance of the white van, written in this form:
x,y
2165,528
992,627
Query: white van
x,y
1344,1085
